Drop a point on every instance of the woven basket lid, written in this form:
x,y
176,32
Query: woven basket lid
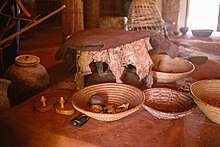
x,y
145,15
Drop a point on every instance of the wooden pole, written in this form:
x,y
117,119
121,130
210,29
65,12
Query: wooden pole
x,y
72,17
31,25
92,13
20,4
187,13
218,27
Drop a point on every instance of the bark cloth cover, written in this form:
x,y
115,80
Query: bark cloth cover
x,y
118,48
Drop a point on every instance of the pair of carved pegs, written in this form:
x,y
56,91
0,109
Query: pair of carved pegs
x,y
63,107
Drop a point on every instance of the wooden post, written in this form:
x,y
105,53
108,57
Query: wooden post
x,y
72,17
218,27
171,10
92,13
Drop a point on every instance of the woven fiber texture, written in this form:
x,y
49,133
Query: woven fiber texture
x,y
113,93
206,94
145,15
165,103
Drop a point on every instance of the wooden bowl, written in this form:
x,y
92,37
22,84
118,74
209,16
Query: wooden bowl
x,y
183,30
113,93
206,94
202,32
168,70
165,103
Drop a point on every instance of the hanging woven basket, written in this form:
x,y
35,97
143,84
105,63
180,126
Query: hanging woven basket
x,y
145,15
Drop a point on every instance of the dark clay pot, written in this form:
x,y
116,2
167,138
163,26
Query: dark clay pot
x,y
28,78
4,101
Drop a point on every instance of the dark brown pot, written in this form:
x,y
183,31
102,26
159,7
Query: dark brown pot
x,y
28,78
4,101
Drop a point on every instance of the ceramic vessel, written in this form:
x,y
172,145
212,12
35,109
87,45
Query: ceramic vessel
x,y
184,30
4,101
202,32
28,78
168,70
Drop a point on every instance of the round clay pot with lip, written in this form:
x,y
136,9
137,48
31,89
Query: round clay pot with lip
x,y
28,78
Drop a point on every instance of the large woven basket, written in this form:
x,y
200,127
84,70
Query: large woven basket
x,y
113,93
206,94
145,15
165,103
168,70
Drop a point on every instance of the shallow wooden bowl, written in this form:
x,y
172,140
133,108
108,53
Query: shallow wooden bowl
x,y
206,94
183,30
202,32
168,70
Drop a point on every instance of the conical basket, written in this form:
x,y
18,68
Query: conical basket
x,y
145,15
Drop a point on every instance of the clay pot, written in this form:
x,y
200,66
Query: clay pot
x,y
183,30
28,78
4,101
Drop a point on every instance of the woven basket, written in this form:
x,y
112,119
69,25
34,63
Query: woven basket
x,y
165,103
168,70
113,93
206,94
145,15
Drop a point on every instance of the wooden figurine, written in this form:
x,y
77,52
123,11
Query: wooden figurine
x,y
43,105
64,107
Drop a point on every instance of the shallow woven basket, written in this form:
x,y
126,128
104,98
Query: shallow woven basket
x,y
113,93
165,103
168,70
145,15
206,94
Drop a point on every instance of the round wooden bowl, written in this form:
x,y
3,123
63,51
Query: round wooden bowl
x,y
183,30
168,70
165,103
202,32
113,93
206,94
